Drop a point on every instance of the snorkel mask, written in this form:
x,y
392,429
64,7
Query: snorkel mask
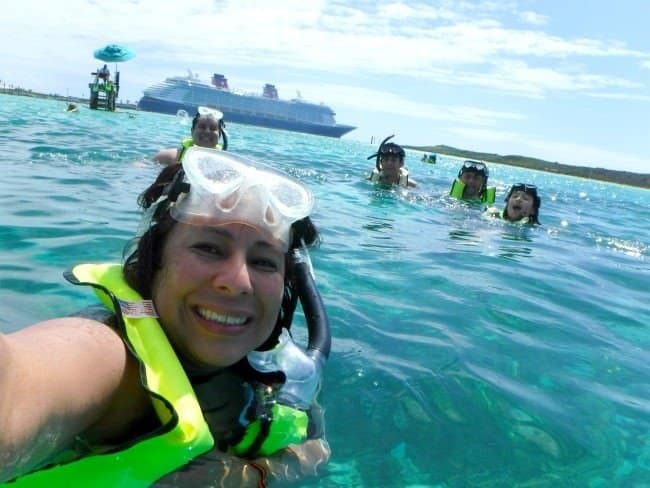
x,y
476,167
526,188
215,188
207,112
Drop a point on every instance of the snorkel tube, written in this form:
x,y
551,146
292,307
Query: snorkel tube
x,y
320,339
302,368
224,135
377,155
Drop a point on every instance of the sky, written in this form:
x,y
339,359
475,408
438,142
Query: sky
x,y
561,80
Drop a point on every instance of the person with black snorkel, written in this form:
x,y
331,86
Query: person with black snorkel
x,y
471,183
522,205
389,166
208,127
187,374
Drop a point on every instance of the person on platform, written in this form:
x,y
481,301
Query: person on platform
x,y
104,74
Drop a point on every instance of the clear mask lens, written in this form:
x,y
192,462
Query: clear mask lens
x,y
210,112
475,166
524,187
227,188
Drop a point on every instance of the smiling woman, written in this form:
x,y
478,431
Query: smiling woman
x,y
208,127
211,284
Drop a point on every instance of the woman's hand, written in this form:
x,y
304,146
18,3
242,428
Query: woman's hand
x,y
218,469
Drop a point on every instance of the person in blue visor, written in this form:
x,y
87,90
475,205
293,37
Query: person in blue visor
x,y
187,373
208,130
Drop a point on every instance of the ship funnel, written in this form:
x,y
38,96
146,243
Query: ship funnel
x,y
270,91
220,81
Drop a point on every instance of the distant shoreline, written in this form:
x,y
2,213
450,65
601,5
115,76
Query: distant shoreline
x,y
54,96
639,180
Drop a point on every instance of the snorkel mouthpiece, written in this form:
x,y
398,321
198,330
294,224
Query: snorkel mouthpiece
x,y
228,188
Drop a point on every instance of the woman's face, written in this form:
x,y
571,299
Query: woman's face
x,y
206,132
520,205
219,290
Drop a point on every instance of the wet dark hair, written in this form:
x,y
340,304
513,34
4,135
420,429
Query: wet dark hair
x,y
145,261
390,148
530,190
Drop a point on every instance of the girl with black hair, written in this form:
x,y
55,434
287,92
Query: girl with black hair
x,y
522,205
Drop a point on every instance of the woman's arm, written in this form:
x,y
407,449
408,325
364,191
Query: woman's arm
x,y
284,468
58,379
167,156
294,463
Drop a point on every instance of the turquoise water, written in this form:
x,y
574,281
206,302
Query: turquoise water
x,y
466,352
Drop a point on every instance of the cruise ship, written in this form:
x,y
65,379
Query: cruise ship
x,y
264,110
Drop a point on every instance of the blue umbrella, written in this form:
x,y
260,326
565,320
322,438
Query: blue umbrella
x,y
114,53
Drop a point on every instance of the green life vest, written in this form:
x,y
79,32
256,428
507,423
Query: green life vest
x,y
458,187
185,434
186,144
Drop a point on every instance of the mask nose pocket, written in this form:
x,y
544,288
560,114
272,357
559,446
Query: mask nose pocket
x,y
230,201
270,217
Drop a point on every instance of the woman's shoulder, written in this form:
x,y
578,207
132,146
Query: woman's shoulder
x,y
97,313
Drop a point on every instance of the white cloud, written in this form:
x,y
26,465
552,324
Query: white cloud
x,y
327,49
389,103
620,96
397,11
406,38
534,18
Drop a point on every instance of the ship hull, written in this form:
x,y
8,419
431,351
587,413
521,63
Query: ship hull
x,y
152,104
